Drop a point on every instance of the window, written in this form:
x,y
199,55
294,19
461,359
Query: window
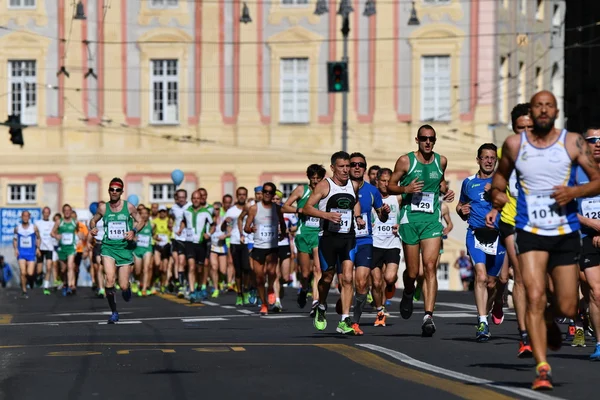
x,y
539,10
523,7
165,97
288,188
294,2
294,94
162,192
442,273
556,17
503,90
21,194
21,4
164,3
23,93
435,88
436,1
539,79
521,84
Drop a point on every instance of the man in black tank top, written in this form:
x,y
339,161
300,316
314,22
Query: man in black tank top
x,y
338,206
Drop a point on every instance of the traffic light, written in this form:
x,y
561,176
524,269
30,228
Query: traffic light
x,y
15,129
337,76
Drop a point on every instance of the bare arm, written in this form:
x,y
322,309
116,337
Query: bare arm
x,y
139,223
505,168
15,242
447,218
282,225
295,196
240,219
97,217
400,169
38,238
586,160
251,214
54,232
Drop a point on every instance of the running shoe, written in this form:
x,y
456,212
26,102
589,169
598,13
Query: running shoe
x,y
543,381
428,327
483,332
320,321
345,327
579,338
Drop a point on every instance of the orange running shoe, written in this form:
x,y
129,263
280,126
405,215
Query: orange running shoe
x,y
524,350
390,290
271,299
543,381
380,320
264,310
357,330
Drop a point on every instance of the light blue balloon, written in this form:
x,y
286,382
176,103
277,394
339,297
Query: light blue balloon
x,y
133,199
94,207
177,177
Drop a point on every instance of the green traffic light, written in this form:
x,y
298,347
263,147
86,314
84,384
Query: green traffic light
x,y
338,86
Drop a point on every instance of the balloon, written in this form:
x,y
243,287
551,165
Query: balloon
x,y
177,177
94,207
133,199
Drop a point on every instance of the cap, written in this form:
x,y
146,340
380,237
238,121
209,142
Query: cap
x,y
162,208
258,189
279,194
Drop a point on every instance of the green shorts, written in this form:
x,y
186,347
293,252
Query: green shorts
x,y
306,242
122,256
414,232
63,254
140,252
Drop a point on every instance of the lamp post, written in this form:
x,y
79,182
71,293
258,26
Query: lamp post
x,y
344,10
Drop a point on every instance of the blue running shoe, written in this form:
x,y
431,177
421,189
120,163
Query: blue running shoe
x,y
126,294
69,291
596,354
114,318
483,332
252,298
64,292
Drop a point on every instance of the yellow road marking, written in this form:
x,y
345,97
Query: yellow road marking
x,y
372,361
121,352
72,353
217,349
177,300
18,346
5,319
237,348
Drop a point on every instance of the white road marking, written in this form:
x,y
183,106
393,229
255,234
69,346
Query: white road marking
x,y
88,313
455,315
527,393
229,307
282,316
248,312
121,323
98,321
202,319
210,303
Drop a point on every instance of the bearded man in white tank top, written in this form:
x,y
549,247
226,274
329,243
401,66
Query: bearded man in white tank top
x,y
547,237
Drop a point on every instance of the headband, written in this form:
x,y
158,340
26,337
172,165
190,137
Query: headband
x,y
117,184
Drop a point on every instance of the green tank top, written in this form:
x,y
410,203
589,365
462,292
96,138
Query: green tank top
x,y
144,236
424,206
67,235
307,225
116,225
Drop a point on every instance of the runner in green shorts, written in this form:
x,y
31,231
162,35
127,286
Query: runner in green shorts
x,y
419,177
118,245
143,254
307,236
66,231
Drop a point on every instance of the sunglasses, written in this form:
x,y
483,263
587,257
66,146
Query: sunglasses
x,y
268,192
423,139
593,139
115,190
358,164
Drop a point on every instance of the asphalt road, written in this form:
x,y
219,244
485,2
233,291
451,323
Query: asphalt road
x,y
55,347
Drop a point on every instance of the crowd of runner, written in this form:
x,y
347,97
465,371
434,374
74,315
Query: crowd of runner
x,y
532,209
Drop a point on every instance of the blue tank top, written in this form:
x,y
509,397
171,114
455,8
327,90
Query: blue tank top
x,y
26,240
589,207
369,198
473,192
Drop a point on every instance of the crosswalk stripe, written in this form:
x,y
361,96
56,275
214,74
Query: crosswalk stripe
x,y
207,319
122,323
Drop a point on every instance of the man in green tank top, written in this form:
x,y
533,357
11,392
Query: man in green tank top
x,y
419,178
143,253
119,217
65,231
307,236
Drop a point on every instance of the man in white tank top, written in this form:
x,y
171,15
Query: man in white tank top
x,y
547,237
45,226
264,218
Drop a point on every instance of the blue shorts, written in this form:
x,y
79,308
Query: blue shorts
x,y
27,257
493,263
363,255
250,246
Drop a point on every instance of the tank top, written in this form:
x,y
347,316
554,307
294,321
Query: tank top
x,y
181,213
162,231
67,235
249,237
267,224
100,235
383,235
45,229
423,206
290,220
144,236
539,170
116,225
306,224
26,240
201,220
340,199
589,207
217,245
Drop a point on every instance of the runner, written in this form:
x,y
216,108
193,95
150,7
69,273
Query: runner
x,y
26,244
373,171
143,252
248,239
482,241
589,216
421,174
284,254
65,231
307,237
547,229
95,244
44,261
263,219
227,202
180,228
465,269
239,250
119,217
339,211
196,248
162,246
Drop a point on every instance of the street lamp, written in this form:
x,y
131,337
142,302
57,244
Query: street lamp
x,y
413,20
344,10
245,18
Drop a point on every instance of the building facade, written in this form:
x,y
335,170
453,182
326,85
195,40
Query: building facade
x,y
142,87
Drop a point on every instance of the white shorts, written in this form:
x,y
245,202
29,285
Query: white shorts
x,y
54,256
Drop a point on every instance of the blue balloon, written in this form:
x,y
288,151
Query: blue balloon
x,y
94,207
133,199
177,177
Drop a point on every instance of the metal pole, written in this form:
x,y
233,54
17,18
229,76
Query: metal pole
x,y
345,31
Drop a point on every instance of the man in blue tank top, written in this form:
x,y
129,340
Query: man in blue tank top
x,y
547,234
26,244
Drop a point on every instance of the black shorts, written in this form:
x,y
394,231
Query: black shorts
x,y
505,230
563,250
590,255
260,255
177,246
164,251
284,252
78,258
45,255
383,257
196,251
239,257
334,250
97,252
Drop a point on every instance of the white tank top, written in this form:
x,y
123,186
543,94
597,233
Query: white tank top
x,y
266,222
539,170
45,229
383,236
340,199
100,226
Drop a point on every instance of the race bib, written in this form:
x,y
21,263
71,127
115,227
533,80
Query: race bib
x,y
312,222
364,231
46,237
25,242
66,239
385,229
590,208
345,223
266,232
189,235
143,241
162,239
214,239
422,202
117,230
487,248
544,213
